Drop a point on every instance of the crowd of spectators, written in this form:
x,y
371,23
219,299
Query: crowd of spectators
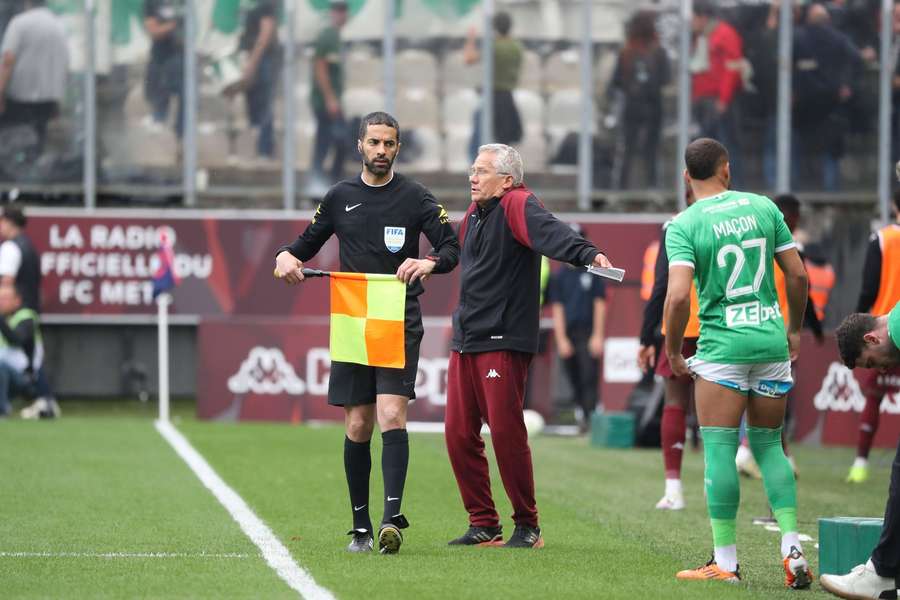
x,y
733,65
834,85
734,73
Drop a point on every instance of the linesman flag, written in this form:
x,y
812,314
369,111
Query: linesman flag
x,y
367,317
164,279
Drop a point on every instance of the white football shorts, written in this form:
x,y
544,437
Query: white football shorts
x,y
764,379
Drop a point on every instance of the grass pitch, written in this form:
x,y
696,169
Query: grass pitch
x,y
97,505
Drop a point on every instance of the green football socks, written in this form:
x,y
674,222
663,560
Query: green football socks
x,y
723,492
778,477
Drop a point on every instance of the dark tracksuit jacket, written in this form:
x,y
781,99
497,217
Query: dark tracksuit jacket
x,y
502,244
495,333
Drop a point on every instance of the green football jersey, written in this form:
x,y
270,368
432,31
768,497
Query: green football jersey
x,y
730,241
894,325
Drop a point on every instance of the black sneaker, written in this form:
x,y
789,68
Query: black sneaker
x,y
389,536
479,536
525,537
361,542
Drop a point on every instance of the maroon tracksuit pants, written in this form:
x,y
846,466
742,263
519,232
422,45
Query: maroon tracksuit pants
x,y
490,386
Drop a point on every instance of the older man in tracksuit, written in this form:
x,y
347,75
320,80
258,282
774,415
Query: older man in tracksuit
x,y
495,333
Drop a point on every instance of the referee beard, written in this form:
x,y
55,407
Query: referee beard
x,y
362,212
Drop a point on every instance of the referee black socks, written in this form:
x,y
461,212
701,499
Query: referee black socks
x,y
394,463
358,466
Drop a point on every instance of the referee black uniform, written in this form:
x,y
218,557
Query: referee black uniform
x,y
378,228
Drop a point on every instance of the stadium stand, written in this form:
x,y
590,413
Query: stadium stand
x,y
531,77
417,107
564,111
531,109
416,68
363,69
456,74
458,108
561,71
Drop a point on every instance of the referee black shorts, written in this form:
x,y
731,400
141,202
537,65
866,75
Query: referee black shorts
x,y
351,384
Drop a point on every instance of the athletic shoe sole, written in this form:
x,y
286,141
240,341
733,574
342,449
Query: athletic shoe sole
x,y
537,545
389,540
802,579
839,592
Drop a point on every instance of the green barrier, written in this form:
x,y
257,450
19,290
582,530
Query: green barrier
x,y
845,542
612,429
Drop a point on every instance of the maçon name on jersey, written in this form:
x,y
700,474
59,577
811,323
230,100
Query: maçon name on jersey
x,y
750,314
735,226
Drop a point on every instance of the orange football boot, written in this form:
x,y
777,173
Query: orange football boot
x,y
797,572
710,571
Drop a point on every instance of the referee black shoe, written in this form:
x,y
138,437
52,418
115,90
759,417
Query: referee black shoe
x,y
389,537
361,542
525,537
479,536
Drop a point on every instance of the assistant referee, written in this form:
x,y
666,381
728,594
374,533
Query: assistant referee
x,y
377,217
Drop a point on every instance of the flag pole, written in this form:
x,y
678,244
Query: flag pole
x,y
162,303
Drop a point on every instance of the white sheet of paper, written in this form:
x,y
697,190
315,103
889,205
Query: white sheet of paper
x,y
608,272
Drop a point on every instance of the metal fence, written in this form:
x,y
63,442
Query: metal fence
x,y
115,139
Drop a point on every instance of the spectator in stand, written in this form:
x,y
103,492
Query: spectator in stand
x,y
895,87
7,11
859,21
825,65
642,70
259,80
33,69
164,79
507,67
762,52
716,65
327,89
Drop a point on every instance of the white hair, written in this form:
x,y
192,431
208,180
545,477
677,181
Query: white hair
x,y
507,160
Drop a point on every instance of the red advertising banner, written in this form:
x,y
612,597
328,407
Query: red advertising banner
x,y
101,263
275,370
278,370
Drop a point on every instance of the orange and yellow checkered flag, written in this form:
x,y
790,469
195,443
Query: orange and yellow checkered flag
x,y
367,317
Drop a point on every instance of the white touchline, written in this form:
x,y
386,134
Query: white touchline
x,y
275,553
121,555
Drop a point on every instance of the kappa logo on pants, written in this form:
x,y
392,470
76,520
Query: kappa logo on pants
x,y
493,374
